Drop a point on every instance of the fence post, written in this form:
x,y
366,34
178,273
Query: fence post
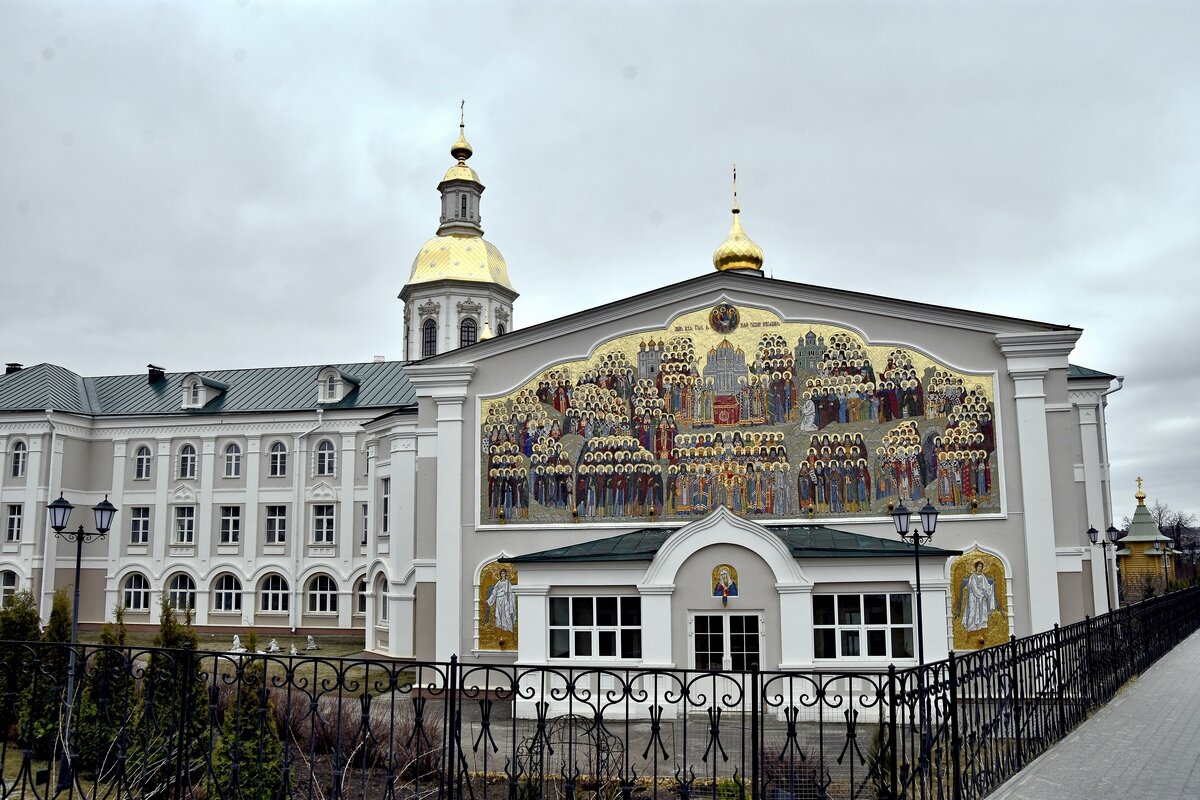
x,y
893,744
1015,698
452,722
755,719
1062,682
182,767
955,740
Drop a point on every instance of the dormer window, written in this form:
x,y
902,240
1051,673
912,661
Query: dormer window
x,y
198,391
193,395
333,385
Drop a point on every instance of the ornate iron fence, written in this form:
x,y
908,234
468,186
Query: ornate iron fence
x,y
187,724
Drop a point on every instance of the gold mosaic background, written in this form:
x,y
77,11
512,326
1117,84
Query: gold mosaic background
x,y
997,630
566,449
492,637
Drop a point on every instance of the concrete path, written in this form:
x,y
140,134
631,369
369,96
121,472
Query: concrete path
x,y
1144,744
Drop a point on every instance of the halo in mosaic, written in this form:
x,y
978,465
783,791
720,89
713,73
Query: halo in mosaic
x,y
734,406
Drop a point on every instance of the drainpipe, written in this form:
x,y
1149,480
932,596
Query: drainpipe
x,y
49,564
298,542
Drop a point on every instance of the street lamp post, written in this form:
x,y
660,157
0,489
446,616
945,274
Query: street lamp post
x,y
1114,536
60,512
1165,552
915,537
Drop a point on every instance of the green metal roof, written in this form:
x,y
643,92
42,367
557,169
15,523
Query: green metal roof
x,y
806,541
1075,371
47,386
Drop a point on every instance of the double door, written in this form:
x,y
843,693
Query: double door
x,y
726,641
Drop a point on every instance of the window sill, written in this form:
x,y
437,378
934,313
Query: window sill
x,y
272,613
138,549
12,547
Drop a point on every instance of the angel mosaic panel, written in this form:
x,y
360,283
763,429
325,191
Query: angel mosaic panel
x,y
733,406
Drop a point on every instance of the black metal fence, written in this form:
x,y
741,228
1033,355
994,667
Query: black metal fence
x,y
187,724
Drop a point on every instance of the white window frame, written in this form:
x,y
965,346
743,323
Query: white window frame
x,y
862,627
727,635
13,522
139,525
188,463
385,505
9,581
277,458
325,459
276,527
366,522
231,525
227,594
381,601
324,524
578,630
360,597
322,595
233,460
274,594
185,525
20,460
136,598
143,461
181,586
329,387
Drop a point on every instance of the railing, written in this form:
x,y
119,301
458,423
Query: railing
x,y
187,724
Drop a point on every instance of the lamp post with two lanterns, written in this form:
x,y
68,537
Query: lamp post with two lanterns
x,y
60,513
917,537
1114,536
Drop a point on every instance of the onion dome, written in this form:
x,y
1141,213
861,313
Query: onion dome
x,y
462,258
738,251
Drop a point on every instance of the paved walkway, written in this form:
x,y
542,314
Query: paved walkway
x,y
1144,744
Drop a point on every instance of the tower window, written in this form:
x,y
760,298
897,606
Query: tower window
x,y
468,332
462,204
500,331
428,339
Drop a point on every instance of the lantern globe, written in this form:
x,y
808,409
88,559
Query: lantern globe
x,y
60,513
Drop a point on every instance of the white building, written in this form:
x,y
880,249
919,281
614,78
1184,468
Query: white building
x,y
699,475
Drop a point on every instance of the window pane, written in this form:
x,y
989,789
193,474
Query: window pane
x,y
631,611
902,643
560,610
849,609
876,608
850,643
631,644
583,643
877,643
901,609
581,611
606,611
607,643
823,609
825,643
560,643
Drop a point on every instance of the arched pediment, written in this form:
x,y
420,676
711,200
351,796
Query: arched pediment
x,y
723,527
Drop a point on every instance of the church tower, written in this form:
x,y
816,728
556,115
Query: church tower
x,y
458,291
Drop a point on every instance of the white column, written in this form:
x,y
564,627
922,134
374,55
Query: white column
x,y
120,525
533,610
348,517
1088,407
933,620
400,624
449,591
252,467
205,513
795,634
403,523
54,454
656,627
162,521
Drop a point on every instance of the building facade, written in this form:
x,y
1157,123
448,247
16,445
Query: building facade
x,y
701,475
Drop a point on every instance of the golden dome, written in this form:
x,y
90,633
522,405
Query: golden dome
x,y
738,251
461,172
461,149
460,258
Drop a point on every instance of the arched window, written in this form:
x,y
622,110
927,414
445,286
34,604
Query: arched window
x,y
500,330
278,460
273,594
141,464
322,595
233,460
331,386
8,586
187,462
326,458
20,455
194,393
135,595
468,332
181,592
227,594
360,595
428,338
381,600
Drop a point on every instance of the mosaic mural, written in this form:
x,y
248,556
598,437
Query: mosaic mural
x,y
724,582
979,600
732,406
497,607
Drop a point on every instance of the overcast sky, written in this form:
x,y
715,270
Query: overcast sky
x,y
240,183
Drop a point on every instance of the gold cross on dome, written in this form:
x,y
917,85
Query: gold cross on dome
x,y
1139,483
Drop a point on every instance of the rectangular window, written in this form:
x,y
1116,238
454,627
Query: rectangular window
x,y
139,524
863,626
13,533
323,524
385,500
185,524
276,524
596,627
231,524
366,522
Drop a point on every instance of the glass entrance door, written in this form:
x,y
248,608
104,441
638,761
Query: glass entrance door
x,y
726,641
